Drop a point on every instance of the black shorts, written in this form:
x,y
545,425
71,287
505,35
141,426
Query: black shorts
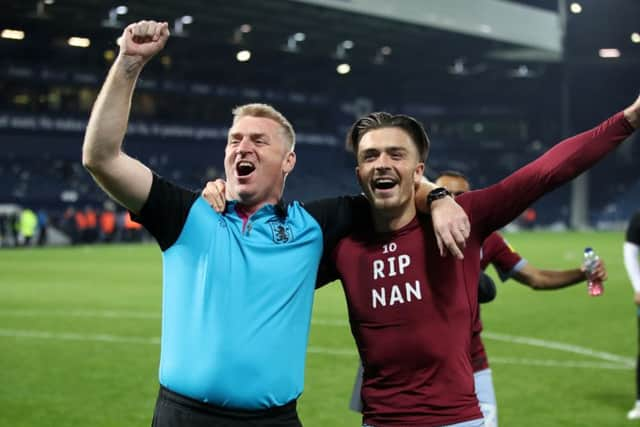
x,y
175,410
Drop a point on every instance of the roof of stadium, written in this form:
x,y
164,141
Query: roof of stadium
x,y
274,23
386,55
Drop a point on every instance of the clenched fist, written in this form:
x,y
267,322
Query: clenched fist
x,y
140,41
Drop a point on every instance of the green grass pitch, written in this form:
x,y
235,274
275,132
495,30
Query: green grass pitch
x,y
79,331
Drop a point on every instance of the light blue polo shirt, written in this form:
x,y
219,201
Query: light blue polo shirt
x,y
237,297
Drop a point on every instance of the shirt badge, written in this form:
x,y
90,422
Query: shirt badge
x,y
281,232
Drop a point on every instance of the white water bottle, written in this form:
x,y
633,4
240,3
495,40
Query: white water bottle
x,y
594,286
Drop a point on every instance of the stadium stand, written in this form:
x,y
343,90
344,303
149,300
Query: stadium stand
x,y
483,119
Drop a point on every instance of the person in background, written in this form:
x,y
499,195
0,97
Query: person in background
x,y
509,264
80,220
91,229
43,227
630,250
107,224
27,224
68,224
3,229
132,229
14,228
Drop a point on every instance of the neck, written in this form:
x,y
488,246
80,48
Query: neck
x,y
386,220
250,206
249,210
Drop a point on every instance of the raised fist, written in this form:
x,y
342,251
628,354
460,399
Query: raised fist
x,y
143,39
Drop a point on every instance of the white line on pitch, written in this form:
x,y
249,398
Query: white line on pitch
x,y
329,322
120,315
558,363
115,314
111,314
70,336
332,351
536,342
569,348
342,352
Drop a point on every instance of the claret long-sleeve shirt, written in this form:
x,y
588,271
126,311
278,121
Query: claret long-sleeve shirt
x,y
412,311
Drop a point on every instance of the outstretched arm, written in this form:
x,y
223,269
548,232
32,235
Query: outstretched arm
x,y
555,279
125,179
499,204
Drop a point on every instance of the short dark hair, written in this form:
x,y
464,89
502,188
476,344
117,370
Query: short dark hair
x,y
453,173
380,120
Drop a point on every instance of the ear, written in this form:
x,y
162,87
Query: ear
x,y
357,170
418,173
288,162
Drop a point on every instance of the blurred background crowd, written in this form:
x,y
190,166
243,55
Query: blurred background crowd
x,y
496,83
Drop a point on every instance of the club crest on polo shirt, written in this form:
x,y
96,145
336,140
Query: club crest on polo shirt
x,y
281,232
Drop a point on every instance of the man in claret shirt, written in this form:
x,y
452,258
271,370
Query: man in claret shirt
x,y
508,264
411,312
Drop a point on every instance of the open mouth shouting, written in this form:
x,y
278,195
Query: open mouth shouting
x,y
384,185
244,169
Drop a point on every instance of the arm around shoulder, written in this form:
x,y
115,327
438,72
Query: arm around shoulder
x,y
450,222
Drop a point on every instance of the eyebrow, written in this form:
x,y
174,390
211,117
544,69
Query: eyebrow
x,y
393,149
252,136
370,151
397,149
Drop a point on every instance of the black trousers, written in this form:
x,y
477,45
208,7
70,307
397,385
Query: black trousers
x,y
175,410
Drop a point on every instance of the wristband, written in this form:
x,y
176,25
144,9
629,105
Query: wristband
x,y
437,194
